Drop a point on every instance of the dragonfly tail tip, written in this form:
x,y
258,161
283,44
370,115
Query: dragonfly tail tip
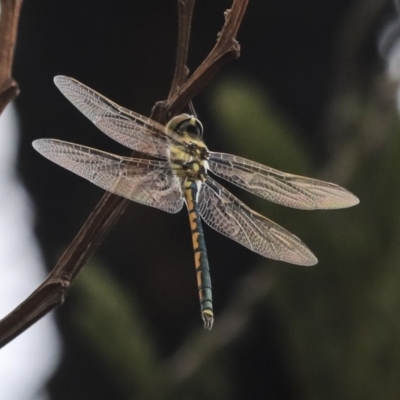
x,y
208,318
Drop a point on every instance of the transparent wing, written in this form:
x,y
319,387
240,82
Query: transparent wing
x,y
128,134
145,181
229,216
276,186
124,126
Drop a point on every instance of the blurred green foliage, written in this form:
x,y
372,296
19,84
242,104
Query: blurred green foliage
x,y
255,128
109,319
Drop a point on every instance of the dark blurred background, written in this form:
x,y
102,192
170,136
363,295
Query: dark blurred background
x,y
309,95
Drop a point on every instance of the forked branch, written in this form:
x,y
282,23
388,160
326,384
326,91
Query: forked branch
x,y
226,49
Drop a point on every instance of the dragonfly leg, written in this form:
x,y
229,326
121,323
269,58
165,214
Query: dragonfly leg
x,y
200,256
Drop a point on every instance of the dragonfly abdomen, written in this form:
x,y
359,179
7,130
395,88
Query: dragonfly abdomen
x,y
200,254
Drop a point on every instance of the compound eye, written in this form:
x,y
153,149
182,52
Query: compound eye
x,y
178,122
186,123
196,128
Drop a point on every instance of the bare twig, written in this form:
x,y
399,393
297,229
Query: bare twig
x,y
51,293
226,48
185,22
9,17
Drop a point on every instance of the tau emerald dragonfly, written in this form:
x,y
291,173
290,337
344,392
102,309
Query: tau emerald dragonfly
x,y
177,173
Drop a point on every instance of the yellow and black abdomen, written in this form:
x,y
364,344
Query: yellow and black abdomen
x,y
200,253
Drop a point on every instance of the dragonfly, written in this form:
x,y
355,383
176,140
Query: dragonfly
x,y
175,171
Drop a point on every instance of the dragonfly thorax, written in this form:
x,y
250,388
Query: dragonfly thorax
x,y
189,160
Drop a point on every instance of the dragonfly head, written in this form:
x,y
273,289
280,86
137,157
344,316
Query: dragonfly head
x,y
185,124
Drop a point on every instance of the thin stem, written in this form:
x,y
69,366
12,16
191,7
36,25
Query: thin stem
x,y
185,8
226,49
51,292
9,17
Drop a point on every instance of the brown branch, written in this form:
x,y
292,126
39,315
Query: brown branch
x,y
185,8
51,292
226,49
9,17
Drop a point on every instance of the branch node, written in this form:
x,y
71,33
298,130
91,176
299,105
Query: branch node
x,y
9,92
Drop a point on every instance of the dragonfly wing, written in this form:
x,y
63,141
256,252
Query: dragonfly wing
x,y
126,127
228,215
279,187
132,135
145,181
